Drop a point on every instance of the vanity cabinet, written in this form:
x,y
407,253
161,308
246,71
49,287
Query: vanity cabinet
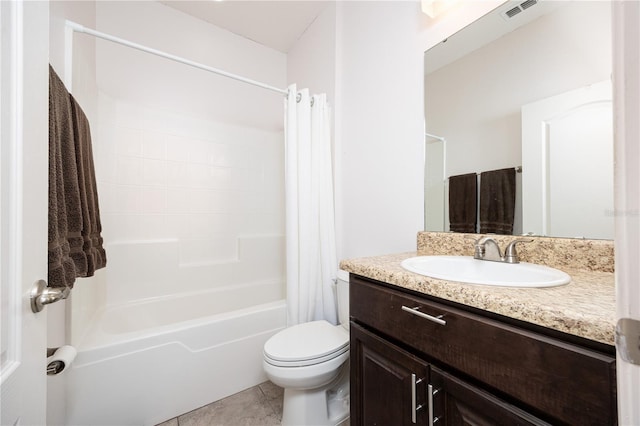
x,y
418,360
389,380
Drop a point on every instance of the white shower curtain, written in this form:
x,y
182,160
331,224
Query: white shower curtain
x,y
310,227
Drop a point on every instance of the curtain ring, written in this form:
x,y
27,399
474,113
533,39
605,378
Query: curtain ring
x,y
312,101
298,97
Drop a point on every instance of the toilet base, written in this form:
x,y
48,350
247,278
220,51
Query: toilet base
x,y
326,406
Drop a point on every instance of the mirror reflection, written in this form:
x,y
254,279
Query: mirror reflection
x,y
525,88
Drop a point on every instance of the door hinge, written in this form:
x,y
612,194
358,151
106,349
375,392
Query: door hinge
x,y
628,340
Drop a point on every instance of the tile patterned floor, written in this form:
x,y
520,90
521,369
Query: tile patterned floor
x,y
257,406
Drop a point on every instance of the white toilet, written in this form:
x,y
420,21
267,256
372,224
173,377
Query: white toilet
x,y
311,362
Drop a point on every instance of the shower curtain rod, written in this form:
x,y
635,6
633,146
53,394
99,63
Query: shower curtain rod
x,y
73,26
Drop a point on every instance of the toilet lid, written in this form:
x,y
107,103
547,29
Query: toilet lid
x,y
306,344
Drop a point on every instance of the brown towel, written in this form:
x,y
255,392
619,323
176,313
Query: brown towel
x,y
91,226
463,198
69,201
497,201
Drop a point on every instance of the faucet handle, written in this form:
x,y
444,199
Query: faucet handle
x,y
510,253
478,250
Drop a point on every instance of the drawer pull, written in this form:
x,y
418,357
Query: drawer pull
x,y
430,394
415,311
414,403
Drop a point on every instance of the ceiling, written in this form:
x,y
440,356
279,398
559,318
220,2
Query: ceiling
x,y
490,27
276,24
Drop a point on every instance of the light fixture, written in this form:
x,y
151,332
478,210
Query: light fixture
x,y
434,8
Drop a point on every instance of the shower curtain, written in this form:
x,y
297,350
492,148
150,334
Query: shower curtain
x,y
310,227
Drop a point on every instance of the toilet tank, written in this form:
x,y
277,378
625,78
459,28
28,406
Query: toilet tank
x,y
342,285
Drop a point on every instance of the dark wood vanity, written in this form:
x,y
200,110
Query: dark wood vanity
x,y
418,359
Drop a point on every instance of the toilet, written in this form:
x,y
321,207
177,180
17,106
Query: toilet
x,y
311,362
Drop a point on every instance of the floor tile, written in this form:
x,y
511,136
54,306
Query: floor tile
x,y
172,422
274,395
247,408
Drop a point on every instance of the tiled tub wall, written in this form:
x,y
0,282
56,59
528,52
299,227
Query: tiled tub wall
x,y
187,204
569,253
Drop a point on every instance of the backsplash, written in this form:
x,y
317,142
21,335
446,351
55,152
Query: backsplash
x,y
562,253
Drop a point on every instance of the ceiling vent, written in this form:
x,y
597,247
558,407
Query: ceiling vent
x,y
513,11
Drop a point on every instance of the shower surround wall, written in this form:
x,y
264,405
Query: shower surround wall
x,y
188,204
189,164
191,185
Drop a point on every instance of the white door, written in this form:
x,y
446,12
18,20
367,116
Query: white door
x,y
567,158
23,208
626,78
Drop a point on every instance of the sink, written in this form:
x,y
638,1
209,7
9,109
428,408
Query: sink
x,y
466,269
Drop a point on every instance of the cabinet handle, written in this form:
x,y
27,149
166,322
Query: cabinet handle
x,y
430,393
415,311
414,403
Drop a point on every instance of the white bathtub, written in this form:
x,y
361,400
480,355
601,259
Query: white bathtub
x,y
146,362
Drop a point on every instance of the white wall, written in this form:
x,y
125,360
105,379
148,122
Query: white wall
x,y
311,62
379,139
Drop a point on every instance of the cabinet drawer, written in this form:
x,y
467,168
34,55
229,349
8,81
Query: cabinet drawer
x,y
567,382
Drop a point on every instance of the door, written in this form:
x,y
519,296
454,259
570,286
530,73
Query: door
x,y
23,208
626,95
387,384
567,154
457,403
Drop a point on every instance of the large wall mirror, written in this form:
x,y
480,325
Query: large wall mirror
x,y
526,86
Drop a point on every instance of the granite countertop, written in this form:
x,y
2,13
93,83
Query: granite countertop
x,y
585,307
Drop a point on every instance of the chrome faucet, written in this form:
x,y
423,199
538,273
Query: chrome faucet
x,y
486,248
510,253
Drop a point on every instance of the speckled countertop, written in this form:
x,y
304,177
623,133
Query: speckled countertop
x,y
585,307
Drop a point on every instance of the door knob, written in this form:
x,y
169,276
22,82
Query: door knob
x,y
42,295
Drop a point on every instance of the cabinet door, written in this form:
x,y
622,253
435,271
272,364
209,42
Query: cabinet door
x,y
388,384
456,402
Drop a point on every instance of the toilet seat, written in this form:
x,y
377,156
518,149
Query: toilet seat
x,y
306,344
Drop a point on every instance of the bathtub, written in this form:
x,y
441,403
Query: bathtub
x,y
145,362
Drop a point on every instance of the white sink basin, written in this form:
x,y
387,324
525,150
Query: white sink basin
x,y
466,269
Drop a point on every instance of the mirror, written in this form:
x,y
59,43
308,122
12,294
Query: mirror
x,y
526,86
